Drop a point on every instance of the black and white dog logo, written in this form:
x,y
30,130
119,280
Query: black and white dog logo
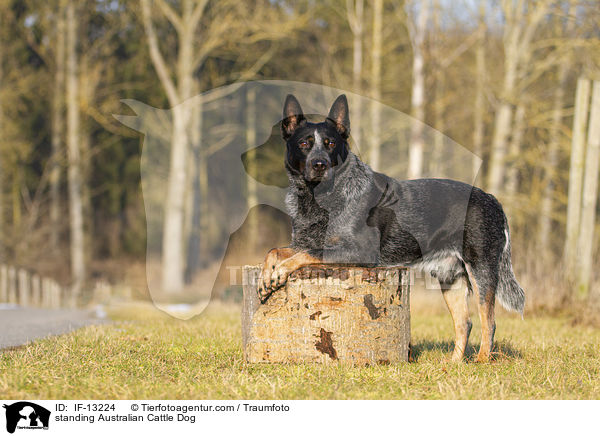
x,y
26,415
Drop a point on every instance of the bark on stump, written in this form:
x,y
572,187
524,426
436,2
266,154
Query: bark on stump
x,y
328,314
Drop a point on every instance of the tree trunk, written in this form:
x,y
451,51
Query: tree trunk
x,y
252,199
375,136
437,159
512,181
57,127
554,146
2,133
416,147
590,194
503,119
172,250
172,239
74,158
355,12
478,127
194,206
576,175
546,208
521,23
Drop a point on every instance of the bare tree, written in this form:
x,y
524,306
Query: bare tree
x,y
590,195
582,97
417,29
374,136
178,90
522,21
57,125
196,40
74,155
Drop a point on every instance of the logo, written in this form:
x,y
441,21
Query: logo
x,y
26,415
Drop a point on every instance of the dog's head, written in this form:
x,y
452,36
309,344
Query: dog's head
x,y
315,149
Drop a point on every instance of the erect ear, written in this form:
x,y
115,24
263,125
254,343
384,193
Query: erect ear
x,y
292,116
338,115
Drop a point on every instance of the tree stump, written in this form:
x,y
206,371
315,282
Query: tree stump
x,y
328,314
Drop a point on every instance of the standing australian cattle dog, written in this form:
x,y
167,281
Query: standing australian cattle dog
x,y
344,212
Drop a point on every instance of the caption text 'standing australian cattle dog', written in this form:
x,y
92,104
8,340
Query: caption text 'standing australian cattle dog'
x,y
344,212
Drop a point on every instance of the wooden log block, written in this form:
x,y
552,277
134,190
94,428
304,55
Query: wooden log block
x,y
24,291
328,314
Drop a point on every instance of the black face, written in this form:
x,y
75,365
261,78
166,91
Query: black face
x,y
315,149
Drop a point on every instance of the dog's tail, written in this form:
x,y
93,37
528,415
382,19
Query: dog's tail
x,y
509,292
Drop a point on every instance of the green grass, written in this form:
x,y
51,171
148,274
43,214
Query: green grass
x,y
156,357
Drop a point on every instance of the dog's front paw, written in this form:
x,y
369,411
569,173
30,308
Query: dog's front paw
x,y
279,276
264,280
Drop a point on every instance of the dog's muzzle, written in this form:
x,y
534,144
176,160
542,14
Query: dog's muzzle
x,y
317,169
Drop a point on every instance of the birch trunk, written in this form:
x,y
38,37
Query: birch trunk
x,y
57,127
590,194
582,97
252,198
416,147
438,105
478,127
375,137
502,125
74,157
2,133
172,250
355,13
194,200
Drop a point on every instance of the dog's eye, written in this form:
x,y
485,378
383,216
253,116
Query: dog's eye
x,y
304,144
329,142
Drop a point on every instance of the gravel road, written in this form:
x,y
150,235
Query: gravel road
x,y
20,325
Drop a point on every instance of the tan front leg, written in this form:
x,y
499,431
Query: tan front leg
x,y
274,257
289,265
456,300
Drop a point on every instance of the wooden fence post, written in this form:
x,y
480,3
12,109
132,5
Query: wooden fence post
x,y
36,291
3,283
56,295
12,285
24,290
46,292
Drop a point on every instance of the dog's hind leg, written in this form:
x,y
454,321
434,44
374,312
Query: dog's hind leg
x,y
486,304
456,300
488,325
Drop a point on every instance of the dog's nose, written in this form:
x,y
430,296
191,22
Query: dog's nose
x,y
319,165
